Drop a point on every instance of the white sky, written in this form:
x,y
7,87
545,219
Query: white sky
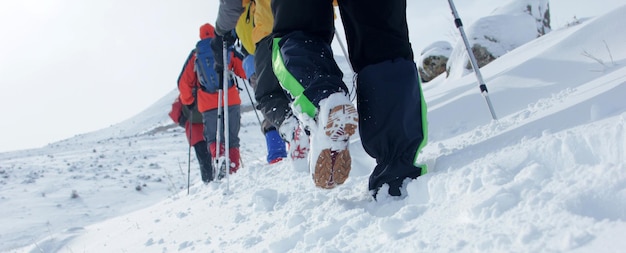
x,y
69,67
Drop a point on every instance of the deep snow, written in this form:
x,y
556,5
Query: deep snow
x,y
548,176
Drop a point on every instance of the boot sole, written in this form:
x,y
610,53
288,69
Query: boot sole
x,y
333,165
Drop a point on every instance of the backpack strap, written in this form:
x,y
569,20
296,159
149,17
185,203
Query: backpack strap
x,y
250,17
192,53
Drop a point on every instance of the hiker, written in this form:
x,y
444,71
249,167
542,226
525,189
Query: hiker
x,y
253,22
391,108
276,150
207,98
182,116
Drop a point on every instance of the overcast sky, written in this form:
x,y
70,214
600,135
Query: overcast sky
x,y
69,66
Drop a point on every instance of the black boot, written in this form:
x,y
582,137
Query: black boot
x,y
204,158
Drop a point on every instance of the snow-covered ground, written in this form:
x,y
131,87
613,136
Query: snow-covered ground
x,y
548,176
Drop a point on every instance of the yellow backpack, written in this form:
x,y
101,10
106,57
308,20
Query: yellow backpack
x,y
244,27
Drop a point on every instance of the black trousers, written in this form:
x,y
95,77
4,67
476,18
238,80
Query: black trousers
x,y
376,30
272,100
392,112
204,158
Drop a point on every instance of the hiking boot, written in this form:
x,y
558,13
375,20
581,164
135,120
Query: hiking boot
x,y
221,168
296,137
297,143
337,121
276,147
213,150
235,158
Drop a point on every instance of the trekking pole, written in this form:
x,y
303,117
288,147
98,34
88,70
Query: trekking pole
x,y
190,121
483,86
217,168
226,126
245,84
343,48
345,54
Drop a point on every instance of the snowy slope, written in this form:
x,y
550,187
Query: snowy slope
x,y
548,176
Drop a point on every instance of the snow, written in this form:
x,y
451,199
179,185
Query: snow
x,y
437,48
507,28
534,8
548,176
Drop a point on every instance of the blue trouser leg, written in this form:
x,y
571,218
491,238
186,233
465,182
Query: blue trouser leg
x,y
391,107
307,69
271,98
309,59
392,120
